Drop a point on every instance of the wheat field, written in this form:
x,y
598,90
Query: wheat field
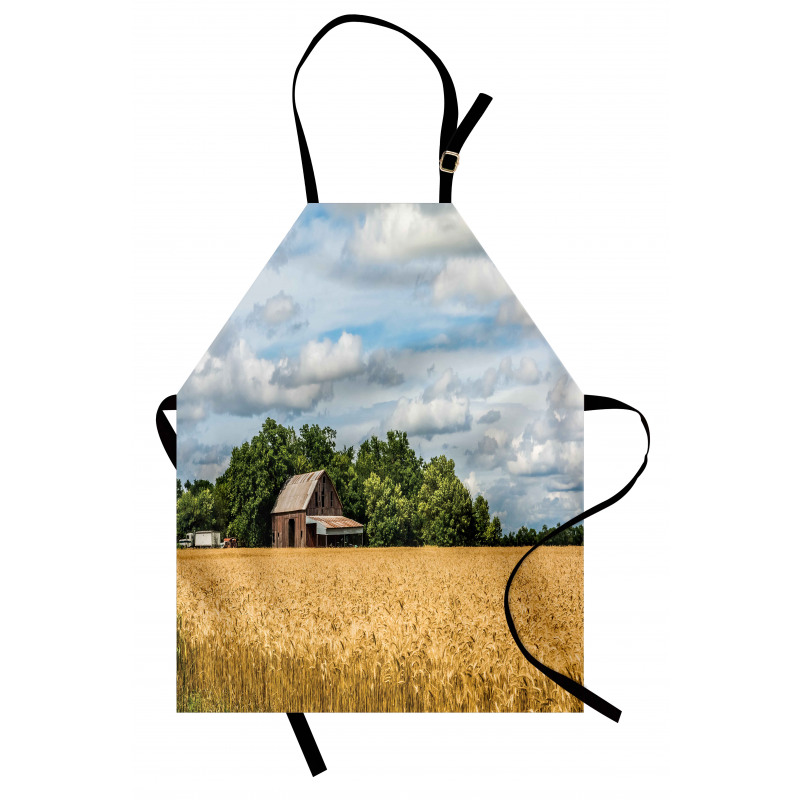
x,y
369,629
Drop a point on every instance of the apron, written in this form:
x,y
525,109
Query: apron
x,y
377,447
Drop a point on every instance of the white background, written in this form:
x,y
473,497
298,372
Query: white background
x,y
635,181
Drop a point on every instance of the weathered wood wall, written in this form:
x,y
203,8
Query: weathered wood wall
x,y
324,502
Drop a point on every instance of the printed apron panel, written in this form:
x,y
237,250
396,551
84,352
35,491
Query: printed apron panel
x,y
373,440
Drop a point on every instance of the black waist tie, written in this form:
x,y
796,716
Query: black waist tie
x,y
590,403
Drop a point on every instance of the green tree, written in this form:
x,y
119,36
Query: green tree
x,y
180,488
197,486
495,532
401,464
238,529
222,501
445,506
526,536
317,445
196,512
394,459
480,512
257,471
571,536
342,472
389,513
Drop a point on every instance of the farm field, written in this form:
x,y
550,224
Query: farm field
x,y
376,629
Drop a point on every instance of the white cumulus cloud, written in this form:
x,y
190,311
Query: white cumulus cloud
x,y
275,310
240,383
325,360
545,458
440,415
400,232
475,279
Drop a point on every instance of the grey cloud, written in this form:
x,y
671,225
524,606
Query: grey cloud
x,y
565,394
279,312
205,461
527,374
563,419
482,332
275,310
447,385
524,501
489,417
381,371
512,312
488,454
485,386
225,339
213,455
565,483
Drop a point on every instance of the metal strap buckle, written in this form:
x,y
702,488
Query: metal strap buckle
x,y
449,153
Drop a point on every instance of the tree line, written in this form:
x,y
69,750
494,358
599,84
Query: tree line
x,y
401,499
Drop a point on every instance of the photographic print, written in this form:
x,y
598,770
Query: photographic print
x,y
373,440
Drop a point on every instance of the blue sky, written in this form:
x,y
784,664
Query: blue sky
x,y
373,317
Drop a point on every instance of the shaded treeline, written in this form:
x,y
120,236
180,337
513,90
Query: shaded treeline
x,y
403,500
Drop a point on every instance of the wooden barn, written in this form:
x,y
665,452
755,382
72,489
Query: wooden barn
x,y
308,513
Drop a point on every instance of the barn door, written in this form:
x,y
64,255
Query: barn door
x,y
291,533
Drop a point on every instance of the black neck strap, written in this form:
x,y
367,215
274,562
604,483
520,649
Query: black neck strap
x,y
452,137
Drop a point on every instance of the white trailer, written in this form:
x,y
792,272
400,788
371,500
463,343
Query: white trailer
x,y
206,539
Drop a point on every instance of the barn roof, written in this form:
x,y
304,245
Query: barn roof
x,y
296,492
337,522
